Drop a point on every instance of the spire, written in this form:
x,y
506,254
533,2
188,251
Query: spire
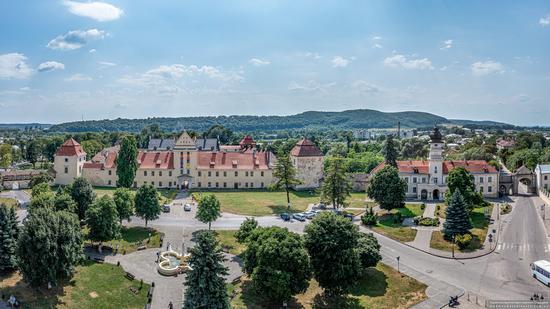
x,y
436,136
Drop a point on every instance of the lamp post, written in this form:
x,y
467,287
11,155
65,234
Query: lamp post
x,y
398,257
453,247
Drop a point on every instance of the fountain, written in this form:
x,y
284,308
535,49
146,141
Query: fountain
x,y
172,263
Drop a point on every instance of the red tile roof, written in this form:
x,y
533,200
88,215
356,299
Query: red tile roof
x,y
249,159
70,148
306,148
156,159
422,166
247,141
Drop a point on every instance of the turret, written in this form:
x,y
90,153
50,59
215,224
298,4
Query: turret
x,y
68,162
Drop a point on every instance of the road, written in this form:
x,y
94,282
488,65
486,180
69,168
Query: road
x,y
23,198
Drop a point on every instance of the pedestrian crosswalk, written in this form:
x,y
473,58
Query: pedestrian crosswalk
x,y
522,247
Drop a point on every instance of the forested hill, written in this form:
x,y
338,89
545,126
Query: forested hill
x,y
362,118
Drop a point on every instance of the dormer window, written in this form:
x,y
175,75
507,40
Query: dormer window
x,y
435,170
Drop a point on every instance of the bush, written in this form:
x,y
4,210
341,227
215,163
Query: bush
x,y
369,218
422,206
425,221
463,241
505,208
437,207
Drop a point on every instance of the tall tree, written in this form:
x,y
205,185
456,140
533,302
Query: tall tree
x,y
83,194
124,200
336,186
40,178
390,152
91,147
277,262
209,209
32,152
217,131
387,189
102,219
457,221
285,175
205,282
40,188
460,179
368,249
6,157
8,237
146,203
331,241
245,230
49,247
126,163
64,202
42,200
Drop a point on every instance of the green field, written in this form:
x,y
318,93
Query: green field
x,y
382,288
388,227
93,286
133,237
263,202
167,195
8,201
227,240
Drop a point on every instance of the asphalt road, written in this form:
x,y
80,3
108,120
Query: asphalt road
x,y
23,198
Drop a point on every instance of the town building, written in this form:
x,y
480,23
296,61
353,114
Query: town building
x,y
426,179
542,172
187,164
308,160
505,144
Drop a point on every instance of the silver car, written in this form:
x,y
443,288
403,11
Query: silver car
x,y
187,207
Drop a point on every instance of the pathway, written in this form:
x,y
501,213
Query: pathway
x,y
23,198
424,234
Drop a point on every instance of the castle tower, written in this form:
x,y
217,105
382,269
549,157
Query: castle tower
x,y
435,158
68,162
308,162
185,160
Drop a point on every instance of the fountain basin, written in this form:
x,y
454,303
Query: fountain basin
x,y
172,263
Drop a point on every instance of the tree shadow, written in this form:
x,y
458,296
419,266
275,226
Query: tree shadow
x,y
373,283
324,301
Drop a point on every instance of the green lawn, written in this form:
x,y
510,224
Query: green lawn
x,y
479,232
93,286
386,226
382,288
133,237
167,195
8,201
263,202
227,240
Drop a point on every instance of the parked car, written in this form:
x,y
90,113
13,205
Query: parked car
x,y
299,217
187,207
285,216
166,208
310,214
348,216
321,206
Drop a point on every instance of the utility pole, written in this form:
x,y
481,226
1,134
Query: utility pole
x,y
398,257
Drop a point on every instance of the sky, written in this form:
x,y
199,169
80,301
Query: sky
x,y
64,60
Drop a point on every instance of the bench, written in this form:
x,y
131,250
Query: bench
x,y
99,259
143,247
130,276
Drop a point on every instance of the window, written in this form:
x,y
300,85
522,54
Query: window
x,y
209,174
252,185
262,174
188,157
144,173
414,189
199,184
224,174
109,182
66,159
246,184
480,179
435,180
251,174
152,173
110,172
246,174
209,184
160,183
489,179
170,173
217,174
480,189
217,184
200,173
169,184
489,189
435,170
152,183
423,179
66,170
545,177
160,173
261,185
406,179
414,179
145,182
236,174
225,184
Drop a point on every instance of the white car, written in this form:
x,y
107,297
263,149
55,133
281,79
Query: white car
x,y
187,207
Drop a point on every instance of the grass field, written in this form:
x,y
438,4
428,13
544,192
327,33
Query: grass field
x,y
263,203
388,227
227,240
8,201
479,232
167,195
93,286
133,237
381,288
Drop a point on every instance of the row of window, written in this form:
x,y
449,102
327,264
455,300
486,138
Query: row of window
x,y
236,185
435,179
153,173
246,174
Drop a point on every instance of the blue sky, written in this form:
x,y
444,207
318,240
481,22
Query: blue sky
x,y
66,60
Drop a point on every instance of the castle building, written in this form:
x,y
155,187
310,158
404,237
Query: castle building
x,y
426,179
186,163
308,160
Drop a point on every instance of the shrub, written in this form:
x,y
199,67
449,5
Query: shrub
x,y
422,206
425,221
437,207
369,218
505,208
463,241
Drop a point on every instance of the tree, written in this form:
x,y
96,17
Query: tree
x,y
42,200
387,188
277,262
102,219
83,194
369,250
208,210
331,241
390,151
457,221
205,281
40,188
8,237
126,163
217,131
49,247
414,148
246,229
124,200
6,157
460,179
91,147
147,203
32,152
64,202
40,178
336,186
285,173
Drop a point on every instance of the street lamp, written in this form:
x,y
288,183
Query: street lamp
x,y
453,246
398,257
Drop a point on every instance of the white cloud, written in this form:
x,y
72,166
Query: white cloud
x,y
78,77
311,86
447,44
100,11
14,66
258,62
105,64
50,66
402,61
92,51
366,87
75,39
481,68
544,21
376,45
26,88
376,38
312,55
340,62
